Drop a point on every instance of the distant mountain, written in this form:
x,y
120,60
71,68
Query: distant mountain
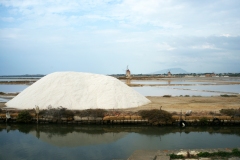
x,y
172,70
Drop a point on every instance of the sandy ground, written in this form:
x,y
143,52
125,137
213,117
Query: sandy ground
x,y
196,104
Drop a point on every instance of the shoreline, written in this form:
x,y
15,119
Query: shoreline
x,y
181,154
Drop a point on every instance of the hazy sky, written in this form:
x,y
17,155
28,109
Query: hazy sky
x,y
104,36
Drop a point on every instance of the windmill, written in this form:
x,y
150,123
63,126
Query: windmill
x,y
128,73
169,73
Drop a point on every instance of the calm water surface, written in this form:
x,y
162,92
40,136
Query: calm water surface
x,y
213,88
106,142
196,88
12,88
169,90
166,82
23,79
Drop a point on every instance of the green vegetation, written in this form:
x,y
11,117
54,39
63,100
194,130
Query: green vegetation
x,y
174,156
234,153
24,116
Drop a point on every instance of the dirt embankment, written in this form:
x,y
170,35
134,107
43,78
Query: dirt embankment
x,y
196,104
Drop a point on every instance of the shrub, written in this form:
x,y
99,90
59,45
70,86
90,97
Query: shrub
x,y
203,120
230,112
58,112
42,112
63,112
155,115
92,113
235,152
167,96
211,113
204,154
24,116
226,95
174,156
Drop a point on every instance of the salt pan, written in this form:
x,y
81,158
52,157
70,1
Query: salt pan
x,y
75,90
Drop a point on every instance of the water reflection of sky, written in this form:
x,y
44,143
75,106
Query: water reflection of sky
x,y
8,80
18,144
217,88
12,88
169,90
167,82
196,90
3,100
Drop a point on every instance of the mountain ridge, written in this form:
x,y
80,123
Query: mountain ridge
x,y
172,70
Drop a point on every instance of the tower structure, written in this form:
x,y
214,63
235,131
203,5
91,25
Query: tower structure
x,y
128,73
169,74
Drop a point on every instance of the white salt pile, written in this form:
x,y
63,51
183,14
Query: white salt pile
x,y
74,90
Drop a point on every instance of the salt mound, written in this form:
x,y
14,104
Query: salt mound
x,y
74,90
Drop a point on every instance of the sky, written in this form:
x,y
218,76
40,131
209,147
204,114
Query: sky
x,y
106,36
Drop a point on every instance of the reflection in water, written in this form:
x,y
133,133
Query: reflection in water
x,y
92,134
106,142
128,81
78,137
37,132
8,128
169,82
3,99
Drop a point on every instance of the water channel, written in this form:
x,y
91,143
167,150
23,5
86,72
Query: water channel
x,y
100,142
